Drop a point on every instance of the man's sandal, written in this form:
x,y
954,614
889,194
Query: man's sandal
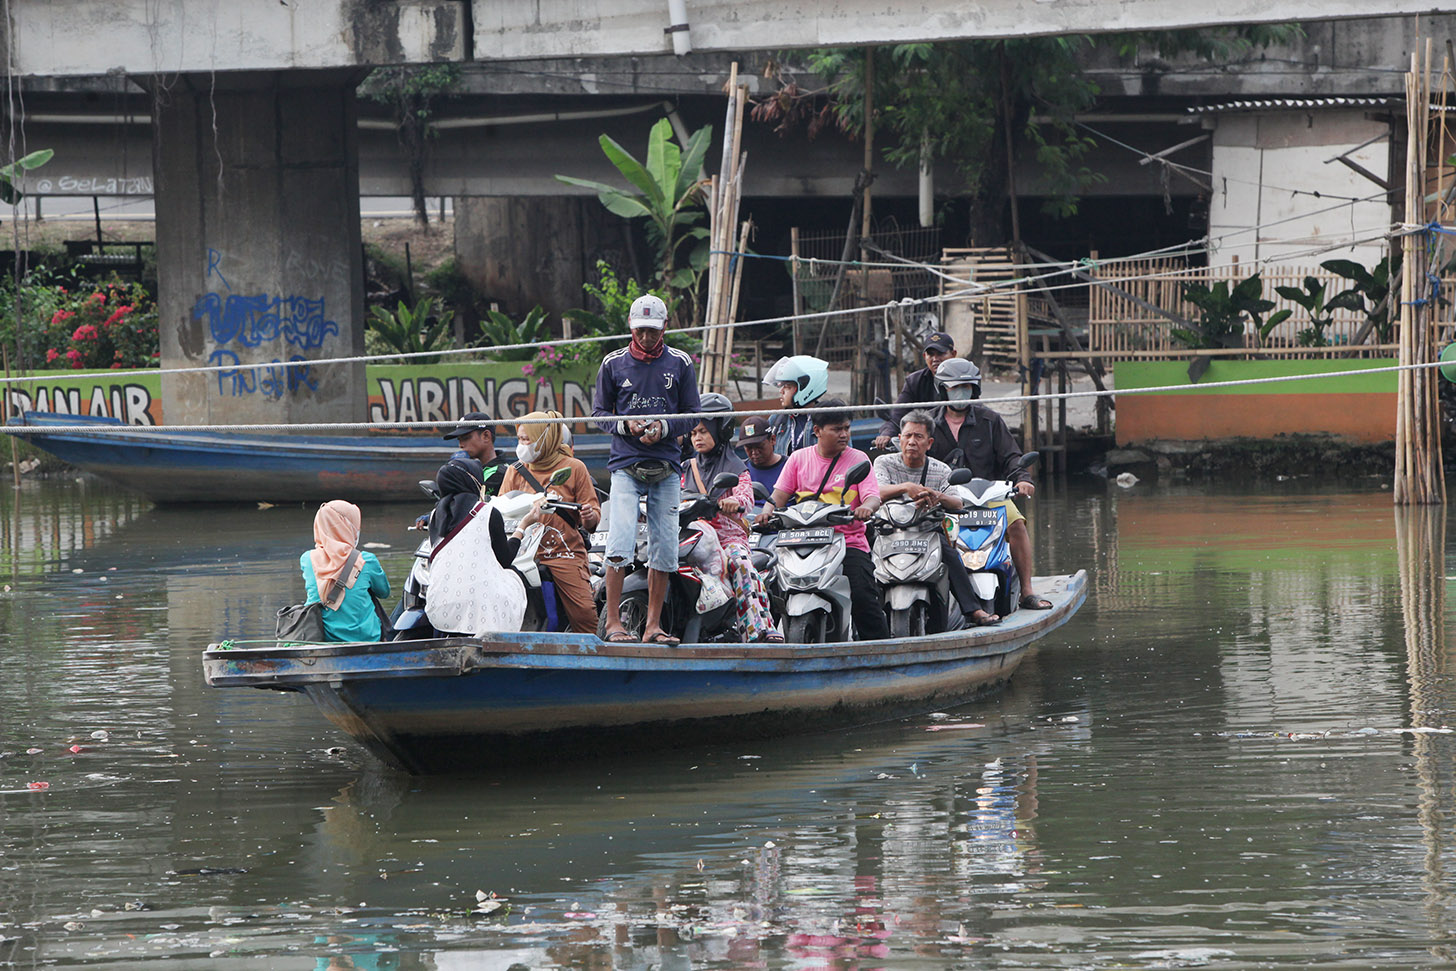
x,y
1032,602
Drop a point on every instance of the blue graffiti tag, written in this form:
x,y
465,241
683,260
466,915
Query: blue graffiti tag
x,y
256,320
271,382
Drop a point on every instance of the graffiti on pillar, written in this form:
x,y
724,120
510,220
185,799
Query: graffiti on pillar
x,y
241,321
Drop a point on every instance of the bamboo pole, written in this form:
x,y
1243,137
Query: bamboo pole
x,y
732,314
5,414
1418,462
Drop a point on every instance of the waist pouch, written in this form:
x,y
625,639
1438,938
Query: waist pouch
x,y
649,471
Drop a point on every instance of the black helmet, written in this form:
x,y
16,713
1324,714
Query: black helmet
x,y
958,373
712,404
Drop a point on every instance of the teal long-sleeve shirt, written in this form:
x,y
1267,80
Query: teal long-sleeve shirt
x,y
355,619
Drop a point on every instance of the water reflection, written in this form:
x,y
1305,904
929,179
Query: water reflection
x,y
1214,763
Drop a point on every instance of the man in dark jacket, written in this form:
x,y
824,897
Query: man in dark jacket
x,y
985,446
920,387
644,378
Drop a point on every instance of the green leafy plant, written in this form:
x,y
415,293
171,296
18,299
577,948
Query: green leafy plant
x,y
1312,299
961,102
496,329
409,330
1223,313
1369,294
615,298
669,196
9,193
412,93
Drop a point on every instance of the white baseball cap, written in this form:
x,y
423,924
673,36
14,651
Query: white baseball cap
x,y
647,310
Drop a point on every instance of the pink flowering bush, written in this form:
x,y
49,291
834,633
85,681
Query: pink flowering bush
x,y
110,326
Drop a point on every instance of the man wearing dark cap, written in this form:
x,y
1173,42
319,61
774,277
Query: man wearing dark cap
x,y
757,440
920,387
476,434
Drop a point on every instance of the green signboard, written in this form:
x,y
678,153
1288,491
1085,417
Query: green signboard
x,y
397,392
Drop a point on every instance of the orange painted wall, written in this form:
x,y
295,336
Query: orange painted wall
x,y
1360,417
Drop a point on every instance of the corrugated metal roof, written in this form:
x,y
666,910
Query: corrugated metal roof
x,y
1296,104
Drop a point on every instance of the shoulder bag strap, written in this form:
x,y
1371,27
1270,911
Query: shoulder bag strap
x,y
697,475
924,470
525,473
337,590
827,473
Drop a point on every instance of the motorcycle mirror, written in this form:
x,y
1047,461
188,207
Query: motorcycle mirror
x,y
559,476
760,491
857,474
725,480
1027,460
961,477
427,486
956,459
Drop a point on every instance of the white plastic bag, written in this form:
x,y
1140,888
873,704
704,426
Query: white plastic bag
x,y
470,592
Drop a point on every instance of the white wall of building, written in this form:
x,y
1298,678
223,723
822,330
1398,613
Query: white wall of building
x,y
1267,167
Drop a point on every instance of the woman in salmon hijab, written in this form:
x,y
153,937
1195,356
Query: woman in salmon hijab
x,y
342,576
541,449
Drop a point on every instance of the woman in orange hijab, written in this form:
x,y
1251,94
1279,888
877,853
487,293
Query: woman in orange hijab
x,y
541,449
342,576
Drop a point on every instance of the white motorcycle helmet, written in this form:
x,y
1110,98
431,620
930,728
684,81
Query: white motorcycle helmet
x,y
809,373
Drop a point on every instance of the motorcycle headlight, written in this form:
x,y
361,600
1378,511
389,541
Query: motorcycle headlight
x,y
975,559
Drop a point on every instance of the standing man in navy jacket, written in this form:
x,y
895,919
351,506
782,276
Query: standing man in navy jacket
x,y
644,378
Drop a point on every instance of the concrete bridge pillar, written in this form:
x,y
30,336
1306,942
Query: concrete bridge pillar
x,y
258,249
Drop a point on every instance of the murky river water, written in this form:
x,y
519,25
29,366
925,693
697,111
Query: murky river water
x,y
1212,765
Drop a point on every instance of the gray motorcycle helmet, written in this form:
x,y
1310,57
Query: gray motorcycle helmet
x,y
958,373
718,416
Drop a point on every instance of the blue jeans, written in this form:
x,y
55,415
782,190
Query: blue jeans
x,y
662,502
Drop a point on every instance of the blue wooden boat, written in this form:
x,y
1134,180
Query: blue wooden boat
x,y
169,463
459,703
175,464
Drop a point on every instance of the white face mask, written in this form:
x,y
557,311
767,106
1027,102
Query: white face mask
x,y
525,451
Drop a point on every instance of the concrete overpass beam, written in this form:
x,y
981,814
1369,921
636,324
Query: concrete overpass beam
x,y
57,38
258,248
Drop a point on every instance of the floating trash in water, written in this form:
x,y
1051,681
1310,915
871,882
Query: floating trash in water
x,y
101,734
32,751
950,728
78,570
938,716
75,749
73,925
1127,480
265,505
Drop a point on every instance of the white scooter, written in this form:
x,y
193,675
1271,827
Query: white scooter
x,y
810,572
910,567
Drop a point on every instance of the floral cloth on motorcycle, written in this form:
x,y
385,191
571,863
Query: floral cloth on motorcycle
x,y
470,591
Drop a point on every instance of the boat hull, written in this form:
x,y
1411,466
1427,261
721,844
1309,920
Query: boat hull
x,y
463,703
169,464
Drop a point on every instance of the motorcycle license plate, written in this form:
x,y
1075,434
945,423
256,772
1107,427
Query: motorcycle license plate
x,y
980,517
910,546
791,537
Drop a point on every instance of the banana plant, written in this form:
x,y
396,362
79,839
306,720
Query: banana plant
x,y
1312,299
669,196
1369,294
10,193
1223,312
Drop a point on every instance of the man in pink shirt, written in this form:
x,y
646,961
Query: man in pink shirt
x,y
822,469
